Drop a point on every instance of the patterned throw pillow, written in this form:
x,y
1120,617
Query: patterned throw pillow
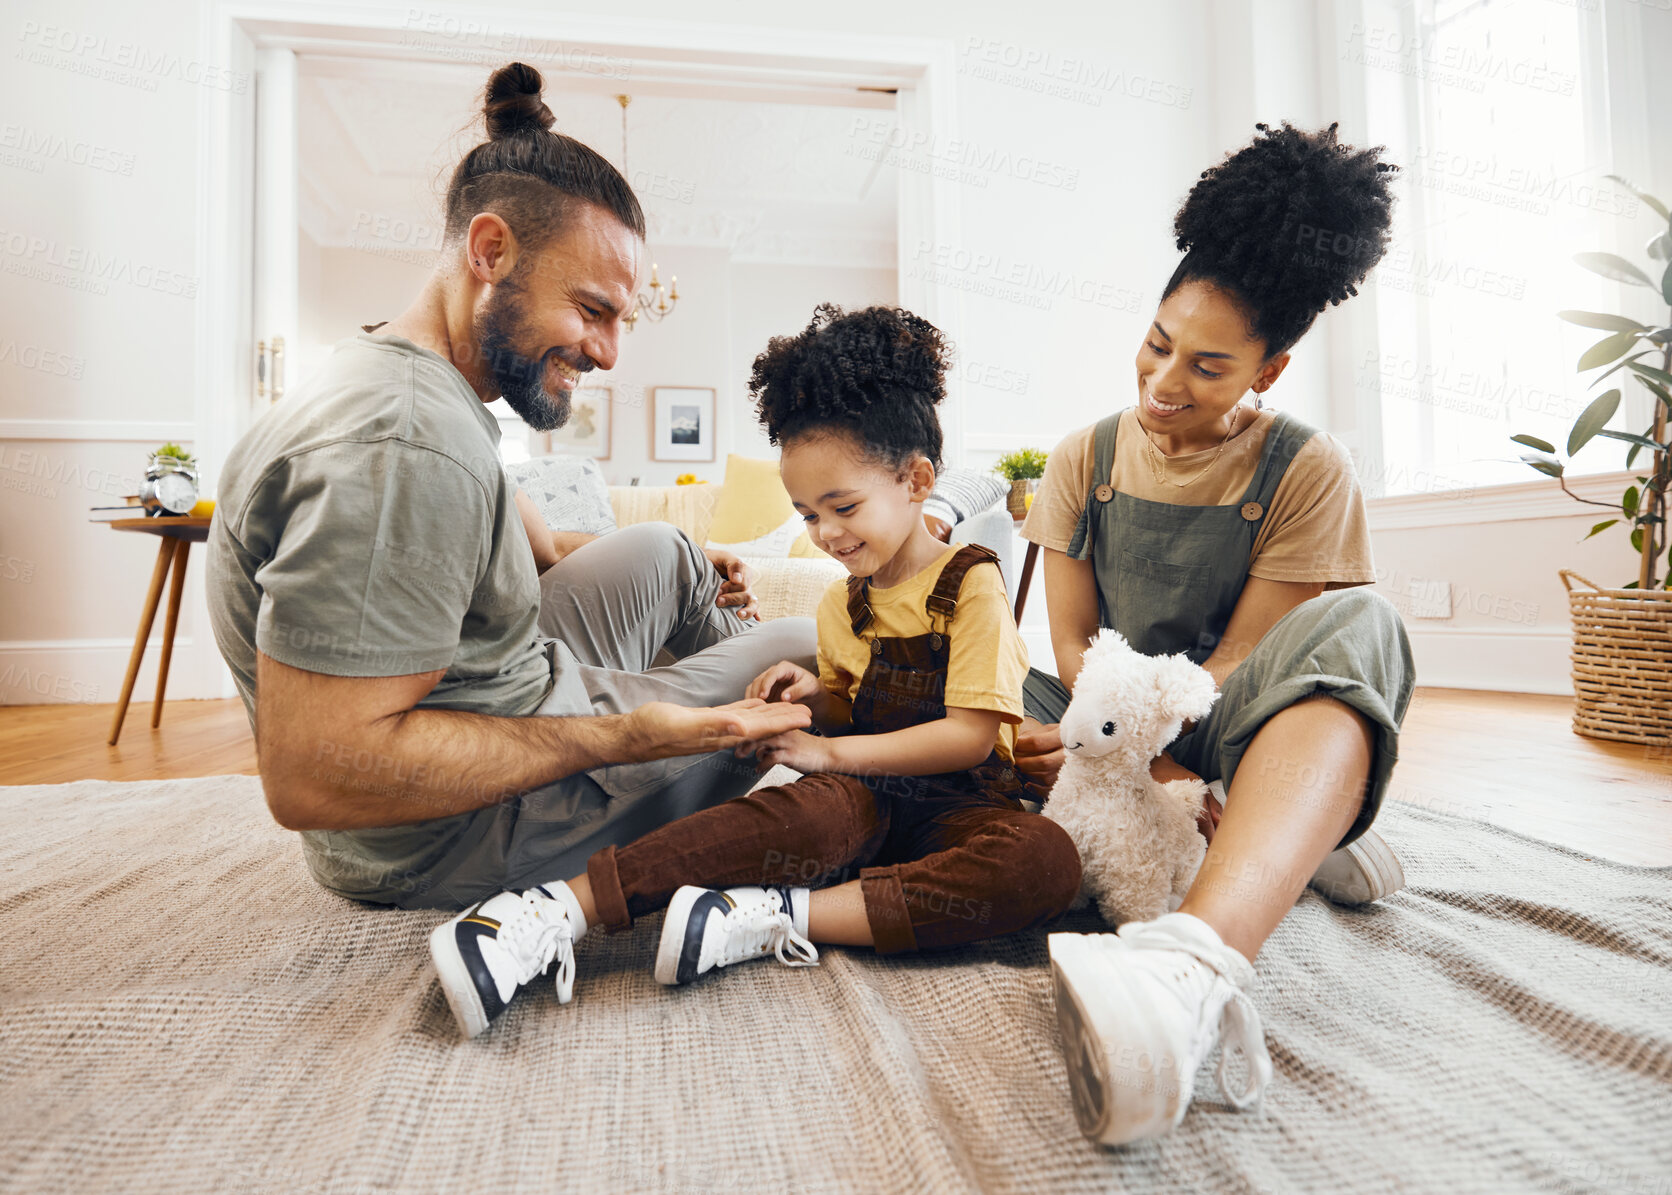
x,y
569,491
962,494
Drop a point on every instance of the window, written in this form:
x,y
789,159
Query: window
x,y
515,436
1498,113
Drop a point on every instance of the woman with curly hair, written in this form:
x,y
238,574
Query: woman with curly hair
x,y
1200,521
907,830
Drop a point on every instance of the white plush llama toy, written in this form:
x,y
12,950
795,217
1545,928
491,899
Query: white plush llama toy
x,y
1139,846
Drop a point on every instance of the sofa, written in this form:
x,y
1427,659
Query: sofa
x,y
786,586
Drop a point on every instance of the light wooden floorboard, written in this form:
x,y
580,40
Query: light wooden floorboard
x,y
1508,758
54,744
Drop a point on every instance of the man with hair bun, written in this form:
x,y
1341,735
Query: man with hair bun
x,y
1199,521
393,610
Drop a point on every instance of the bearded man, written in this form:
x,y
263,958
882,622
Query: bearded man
x,y
449,699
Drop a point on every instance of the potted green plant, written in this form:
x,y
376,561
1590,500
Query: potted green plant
x,y
1022,468
172,456
1622,645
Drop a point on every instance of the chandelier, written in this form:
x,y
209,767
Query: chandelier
x,y
658,302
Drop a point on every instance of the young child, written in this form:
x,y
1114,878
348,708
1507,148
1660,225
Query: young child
x,y
907,820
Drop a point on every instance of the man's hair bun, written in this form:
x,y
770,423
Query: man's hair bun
x,y
529,175
511,102
1289,224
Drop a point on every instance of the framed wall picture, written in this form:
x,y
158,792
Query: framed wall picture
x,y
682,427
588,431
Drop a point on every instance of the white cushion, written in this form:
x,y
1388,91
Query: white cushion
x,y
568,490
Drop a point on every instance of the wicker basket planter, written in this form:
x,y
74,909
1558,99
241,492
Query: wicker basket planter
x,y
1016,502
1622,662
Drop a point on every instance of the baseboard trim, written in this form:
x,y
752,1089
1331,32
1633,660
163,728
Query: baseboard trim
x,y
83,645
87,671
1500,659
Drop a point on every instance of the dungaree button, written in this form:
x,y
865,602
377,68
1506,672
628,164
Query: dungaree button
x,y
876,647
1252,511
1104,492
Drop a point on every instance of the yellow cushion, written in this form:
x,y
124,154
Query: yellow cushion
x,y
754,513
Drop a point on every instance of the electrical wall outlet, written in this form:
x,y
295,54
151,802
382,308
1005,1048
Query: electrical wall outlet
x,y
1430,599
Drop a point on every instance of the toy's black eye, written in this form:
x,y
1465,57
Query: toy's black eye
x,y
1108,728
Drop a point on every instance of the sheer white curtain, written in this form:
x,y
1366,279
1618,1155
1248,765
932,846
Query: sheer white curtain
x,y
1502,115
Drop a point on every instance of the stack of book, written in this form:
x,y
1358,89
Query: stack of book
x,y
131,508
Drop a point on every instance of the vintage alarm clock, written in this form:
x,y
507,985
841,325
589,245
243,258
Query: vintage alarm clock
x,y
170,487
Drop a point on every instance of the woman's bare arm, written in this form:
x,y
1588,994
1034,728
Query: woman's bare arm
x,y
1071,604
1259,608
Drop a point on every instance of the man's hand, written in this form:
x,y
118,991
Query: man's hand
x,y
805,753
662,730
784,681
737,588
1039,756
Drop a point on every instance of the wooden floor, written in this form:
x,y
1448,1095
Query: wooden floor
x,y
1507,758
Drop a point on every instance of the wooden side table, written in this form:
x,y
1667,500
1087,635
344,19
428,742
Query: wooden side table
x,y
1028,561
178,533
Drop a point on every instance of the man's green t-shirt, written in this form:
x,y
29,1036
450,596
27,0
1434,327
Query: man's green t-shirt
x,y
365,527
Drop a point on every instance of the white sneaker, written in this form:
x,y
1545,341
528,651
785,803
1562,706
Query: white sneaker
x,y
708,928
1140,1011
1364,870
496,946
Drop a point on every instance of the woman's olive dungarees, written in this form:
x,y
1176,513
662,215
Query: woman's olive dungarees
x,y
1168,579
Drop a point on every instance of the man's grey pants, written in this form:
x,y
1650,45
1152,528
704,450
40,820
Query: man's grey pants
x,y
613,609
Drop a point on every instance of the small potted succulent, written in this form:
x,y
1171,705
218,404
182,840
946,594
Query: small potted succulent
x,y
1022,468
1622,638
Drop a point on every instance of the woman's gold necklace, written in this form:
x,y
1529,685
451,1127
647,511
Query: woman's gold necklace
x,y
1158,459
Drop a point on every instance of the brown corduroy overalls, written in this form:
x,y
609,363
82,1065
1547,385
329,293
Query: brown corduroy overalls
x,y
941,859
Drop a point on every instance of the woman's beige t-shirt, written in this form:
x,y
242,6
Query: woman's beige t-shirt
x,y
1316,529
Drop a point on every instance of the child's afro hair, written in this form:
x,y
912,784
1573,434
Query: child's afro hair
x,y
876,374
1288,225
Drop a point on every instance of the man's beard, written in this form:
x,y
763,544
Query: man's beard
x,y
521,379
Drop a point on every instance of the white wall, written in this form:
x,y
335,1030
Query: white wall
x,y
97,286
1504,624
342,289
727,312
1114,109
777,300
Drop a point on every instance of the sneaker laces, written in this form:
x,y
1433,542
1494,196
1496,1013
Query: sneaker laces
x,y
753,929
535,934
1240,1029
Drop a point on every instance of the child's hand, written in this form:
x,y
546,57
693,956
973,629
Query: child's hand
x,y
1039,756
784,681
805,753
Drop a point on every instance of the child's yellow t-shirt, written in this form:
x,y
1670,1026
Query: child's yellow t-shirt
x,y
987,662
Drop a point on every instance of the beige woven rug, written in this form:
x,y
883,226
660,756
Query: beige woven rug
x,y
181,1009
